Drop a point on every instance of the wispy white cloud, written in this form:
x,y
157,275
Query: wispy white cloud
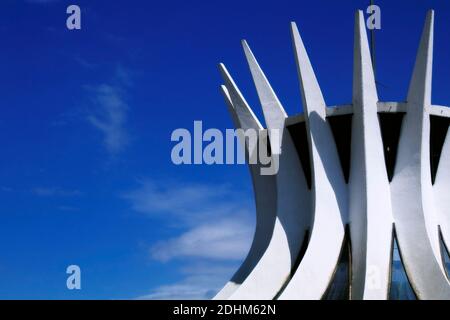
x,y
124,76
188,203
216,220
110,117
224,239
216,223
84,62
55,191
201,281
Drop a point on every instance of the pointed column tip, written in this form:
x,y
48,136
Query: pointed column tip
x,y
248,52
229,82
430,18
246,47
419,91
359,18
312,97
236,101
364,88
294,30
221,66
226,94
360,24
274,112
224,72
224,90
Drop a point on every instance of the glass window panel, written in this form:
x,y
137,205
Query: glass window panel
x,y
339,288
400,288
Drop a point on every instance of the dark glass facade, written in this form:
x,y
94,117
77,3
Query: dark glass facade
x,y
339,288
400,288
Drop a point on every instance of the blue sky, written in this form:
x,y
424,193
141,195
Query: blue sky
x,y
85,174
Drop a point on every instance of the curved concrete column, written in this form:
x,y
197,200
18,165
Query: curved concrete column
x,y
329,192
263,185
411,190
293,204
441,191
370,200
